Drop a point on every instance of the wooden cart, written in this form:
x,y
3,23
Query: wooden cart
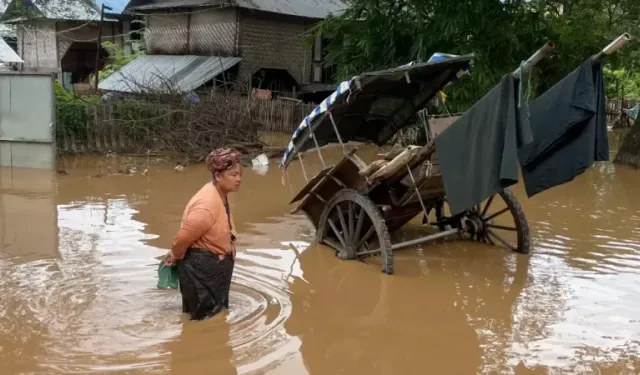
x,y
354,206
355,214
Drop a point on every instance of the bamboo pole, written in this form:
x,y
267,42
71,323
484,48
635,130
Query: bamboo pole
x,y
612,47
540,54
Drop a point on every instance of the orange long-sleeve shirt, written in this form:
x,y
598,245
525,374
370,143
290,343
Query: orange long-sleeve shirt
x,y
205,220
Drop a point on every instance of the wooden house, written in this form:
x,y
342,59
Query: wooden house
x,y
266,43
60,36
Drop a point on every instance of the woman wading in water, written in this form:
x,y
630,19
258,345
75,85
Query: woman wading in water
x,y
204,249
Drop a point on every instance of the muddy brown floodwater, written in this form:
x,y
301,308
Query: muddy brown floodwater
x,y
78,276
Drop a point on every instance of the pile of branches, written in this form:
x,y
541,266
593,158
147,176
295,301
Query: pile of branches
x,y
172,125
161,118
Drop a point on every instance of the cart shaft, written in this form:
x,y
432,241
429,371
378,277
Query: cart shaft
x,y
421,240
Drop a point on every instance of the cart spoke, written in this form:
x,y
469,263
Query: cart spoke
x,y
352,239
500,239
365,238
488,239
486,207
495,226
361,215
337,232
343,224
332,243
496,214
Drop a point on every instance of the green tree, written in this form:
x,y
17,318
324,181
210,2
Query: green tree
x,y
622,83
377,34
117,59
582,27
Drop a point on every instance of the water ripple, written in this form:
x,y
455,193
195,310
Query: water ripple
x,y
91,305
98,300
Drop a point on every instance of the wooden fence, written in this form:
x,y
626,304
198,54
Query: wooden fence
x,y
615,107
99,128
280,116
103,127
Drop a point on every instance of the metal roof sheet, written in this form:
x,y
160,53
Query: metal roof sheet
x,y
303,8
72,10
79,10
8,31
7,54
165,4
164,73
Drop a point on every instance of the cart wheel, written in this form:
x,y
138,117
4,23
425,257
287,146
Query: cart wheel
x,y
480,222
352,225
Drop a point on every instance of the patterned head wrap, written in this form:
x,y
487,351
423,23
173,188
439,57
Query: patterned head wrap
x,y
222,159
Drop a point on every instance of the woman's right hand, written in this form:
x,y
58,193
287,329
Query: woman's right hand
x,y
170,260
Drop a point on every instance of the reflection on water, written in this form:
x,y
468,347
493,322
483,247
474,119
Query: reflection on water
x,y
78,275
28,214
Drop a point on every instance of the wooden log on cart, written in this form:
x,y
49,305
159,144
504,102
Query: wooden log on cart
x,y
395,151
424,153
373,167
396,164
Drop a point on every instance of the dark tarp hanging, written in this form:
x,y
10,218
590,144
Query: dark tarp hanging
x,y
478,153
569,127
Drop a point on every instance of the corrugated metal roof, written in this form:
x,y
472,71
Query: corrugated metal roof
x,y
8,31
79,10
7,54
163,73
72,10
165,4
304,8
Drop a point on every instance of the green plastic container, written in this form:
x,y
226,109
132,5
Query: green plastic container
x,y
167,277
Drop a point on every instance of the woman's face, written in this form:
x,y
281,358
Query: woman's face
x,y
230,180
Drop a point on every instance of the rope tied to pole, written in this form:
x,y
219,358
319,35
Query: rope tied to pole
x,y
529,91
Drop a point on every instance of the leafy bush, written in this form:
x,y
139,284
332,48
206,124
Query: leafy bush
x,y
72,111
622,83
117,59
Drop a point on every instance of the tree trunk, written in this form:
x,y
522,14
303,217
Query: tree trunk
x,y
629,152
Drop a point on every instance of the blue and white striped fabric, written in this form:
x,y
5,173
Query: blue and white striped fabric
x,y
344,88
440,57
